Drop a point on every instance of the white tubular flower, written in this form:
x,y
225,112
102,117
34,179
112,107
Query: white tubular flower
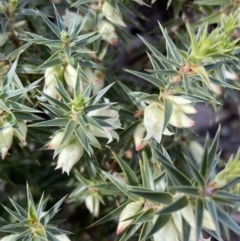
x,y
51,72
167,233
138,137
3,38
208,221
111,15
70,16
231,75
99,85
92,203
216,88
130,210
6,138
24,128
182,104
51,91
55,142
196,150
153,122
70,76
108,33
181,107
70,155
50,82
91,77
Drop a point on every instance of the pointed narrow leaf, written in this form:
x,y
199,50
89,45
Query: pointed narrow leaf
x,y
175,206
168,106
199,208
131,177
160,197
112,215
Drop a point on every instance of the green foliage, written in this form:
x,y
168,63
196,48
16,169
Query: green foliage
x,y
121,131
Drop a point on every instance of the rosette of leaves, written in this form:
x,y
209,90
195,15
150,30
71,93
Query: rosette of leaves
x,y
71,114
34,223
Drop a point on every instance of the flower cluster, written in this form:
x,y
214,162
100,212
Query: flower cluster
x,y
69,74
154,119
105,28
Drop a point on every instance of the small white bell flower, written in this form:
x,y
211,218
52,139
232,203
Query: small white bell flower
x,y
153,122
55,142
93,204
181,107
108,33
50,82
70,155
99,85
70,16
24,128
6,138
130,210
111,15
138,137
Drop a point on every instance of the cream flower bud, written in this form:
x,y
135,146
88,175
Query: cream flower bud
x,y
231,75
111,15
51,72
153,122
92,203
23,127
208,221
167,233
51,91
216,88
70,155
70,76
196,150
55,142
138,137
108,33
3,38
91,77
50,82
6,138
70,16
182,104
99,85
179,119
130,210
